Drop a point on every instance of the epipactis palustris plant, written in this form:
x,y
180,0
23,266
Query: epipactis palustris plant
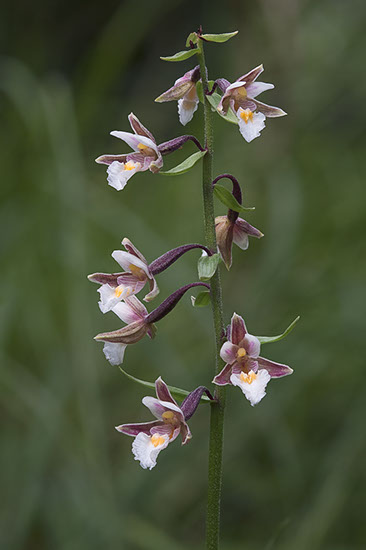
x,y
243,364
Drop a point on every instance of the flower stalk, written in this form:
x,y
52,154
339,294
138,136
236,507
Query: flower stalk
x,y
218,407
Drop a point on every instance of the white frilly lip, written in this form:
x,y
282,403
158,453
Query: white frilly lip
x,y
118,176
114,353
251,128
145,451
255,391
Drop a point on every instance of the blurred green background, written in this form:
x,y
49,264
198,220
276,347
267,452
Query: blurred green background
x,y
295,474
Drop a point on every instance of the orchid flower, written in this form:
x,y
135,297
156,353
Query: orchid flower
x,y
251,113
118,286
229,231
153,437
244,367
139,322
135,314
184,90
146,155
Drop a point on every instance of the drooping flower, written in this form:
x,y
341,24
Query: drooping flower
x,y
153,437
146,155
139,322
118,286
135,314
234,230
184,90
244,367
251,113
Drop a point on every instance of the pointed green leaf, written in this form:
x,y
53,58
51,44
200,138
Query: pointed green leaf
x,y
223,37
207,266
176,392
214,99
191,38
202,299
180,56
185,165
226,197
269,339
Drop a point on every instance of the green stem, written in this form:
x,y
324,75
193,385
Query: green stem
x,y
218,408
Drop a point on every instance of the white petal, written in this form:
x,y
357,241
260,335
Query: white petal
x,y
125,260
186,110
118,176
255,391
125,313
158,407
108,298
235,85
252,345
134,140
251,128
241,239
145,451
257,88
114,352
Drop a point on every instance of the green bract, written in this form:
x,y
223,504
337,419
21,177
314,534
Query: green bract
x,y
214,99
269,339
180,56
229,200
223,37
191,38
185,165
202,299
176,392
207,266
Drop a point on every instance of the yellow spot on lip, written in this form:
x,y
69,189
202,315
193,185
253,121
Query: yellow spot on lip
x,y
248,378
157,440
130,165
137,272
246,115
241,352
118,291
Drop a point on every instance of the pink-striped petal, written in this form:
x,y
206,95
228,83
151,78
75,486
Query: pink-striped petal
x,y
251,345
268,110
185,433
131,248
135,429
276,370
139,128
237,329
134,141
252,75
257,88
162,391
223,377
108,159
127,261
228,352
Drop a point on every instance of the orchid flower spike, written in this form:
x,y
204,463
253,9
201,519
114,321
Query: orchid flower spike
x,y
118,286
153,437
134,313
244,367
184,90
146,155
235,230
251,113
